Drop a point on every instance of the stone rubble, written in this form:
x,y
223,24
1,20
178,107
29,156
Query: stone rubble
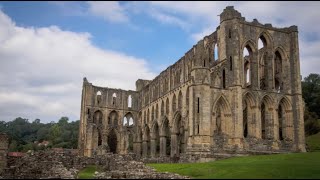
x,y
50,164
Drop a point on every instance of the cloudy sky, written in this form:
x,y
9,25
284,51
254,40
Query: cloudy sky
x,y
46,48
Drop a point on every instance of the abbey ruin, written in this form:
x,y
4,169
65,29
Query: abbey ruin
x,y
226,95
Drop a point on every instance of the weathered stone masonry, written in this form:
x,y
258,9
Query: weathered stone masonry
x,y
4,145
202,105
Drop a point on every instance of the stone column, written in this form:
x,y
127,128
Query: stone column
x,y
174,145
138,149
163,142
144,148
153,147
269,72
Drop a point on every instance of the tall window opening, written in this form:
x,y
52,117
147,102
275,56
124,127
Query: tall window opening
x,y
247,55
216,55
198,105
230,62
263,121
114,96
223,79
129,101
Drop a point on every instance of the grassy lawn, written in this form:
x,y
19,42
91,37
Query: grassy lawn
x,y
87,172
295,165
313,142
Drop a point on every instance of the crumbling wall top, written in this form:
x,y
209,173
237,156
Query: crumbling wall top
x,y
229,13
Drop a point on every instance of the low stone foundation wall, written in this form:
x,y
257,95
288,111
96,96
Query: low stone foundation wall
x,y
50,164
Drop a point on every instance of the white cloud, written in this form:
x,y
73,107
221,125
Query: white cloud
x,y
110,10
42,69
166,18
204,19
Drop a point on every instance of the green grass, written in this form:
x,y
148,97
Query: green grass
x,y
313,142
87,172
284,166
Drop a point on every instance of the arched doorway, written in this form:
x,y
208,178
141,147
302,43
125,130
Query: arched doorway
x,y
177,137
165,138
249,108
112,141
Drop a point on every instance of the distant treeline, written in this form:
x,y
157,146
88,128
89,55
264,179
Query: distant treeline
x,y
64,134
25,135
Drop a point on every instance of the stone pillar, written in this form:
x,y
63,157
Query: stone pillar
x,y
163,142
153,148
174,145
144,148
270,74
138,149
254,66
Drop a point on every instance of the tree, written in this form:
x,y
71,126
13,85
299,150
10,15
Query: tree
x,y
311,92
311,95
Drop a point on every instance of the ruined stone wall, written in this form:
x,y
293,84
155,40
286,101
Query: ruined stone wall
x,y
105,111
4,145
63,165
219,99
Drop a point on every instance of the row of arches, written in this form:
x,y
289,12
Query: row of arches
x,y
258,60
114,99
113,119
263,119
161,140
165,107
112,137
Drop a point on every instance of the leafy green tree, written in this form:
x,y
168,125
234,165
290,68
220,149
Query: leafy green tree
x,y
55,133
311,92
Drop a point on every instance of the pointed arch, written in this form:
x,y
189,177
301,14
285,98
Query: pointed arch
x,y
177,117
178,135
225,104
222,118
265,38
249,108
250,45
113,140
278,70
113,118
285,119
129,119
98,117
247,59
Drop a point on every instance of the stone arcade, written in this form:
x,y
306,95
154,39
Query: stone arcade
x,y
216,99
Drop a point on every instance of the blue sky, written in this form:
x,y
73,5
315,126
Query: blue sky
x,y
48,47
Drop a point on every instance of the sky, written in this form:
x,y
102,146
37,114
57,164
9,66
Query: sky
x,y
47,48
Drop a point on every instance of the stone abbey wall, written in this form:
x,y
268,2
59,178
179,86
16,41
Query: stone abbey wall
x,y
225,95
4,146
